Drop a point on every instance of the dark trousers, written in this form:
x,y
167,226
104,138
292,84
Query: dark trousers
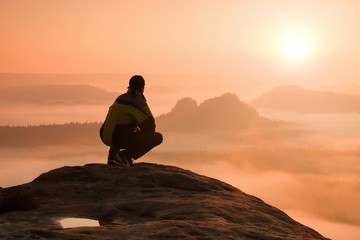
x,y
136,144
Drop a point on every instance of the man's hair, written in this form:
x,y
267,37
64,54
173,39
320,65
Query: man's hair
x,y
136,82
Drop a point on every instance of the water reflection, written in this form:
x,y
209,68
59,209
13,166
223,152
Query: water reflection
x,y
78,222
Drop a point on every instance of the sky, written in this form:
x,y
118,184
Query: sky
x,y
308,42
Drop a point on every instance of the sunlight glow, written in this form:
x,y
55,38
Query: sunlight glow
x,y
296,46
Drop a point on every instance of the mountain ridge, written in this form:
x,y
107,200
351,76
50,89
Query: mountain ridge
x,y
55,94
292,98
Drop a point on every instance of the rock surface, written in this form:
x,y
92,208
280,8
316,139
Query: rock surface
x,y
147,201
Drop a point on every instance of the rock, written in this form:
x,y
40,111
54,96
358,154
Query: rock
x,y
147,201
225,113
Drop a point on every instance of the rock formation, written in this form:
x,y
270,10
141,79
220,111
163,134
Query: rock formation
x,y
147,201
225,113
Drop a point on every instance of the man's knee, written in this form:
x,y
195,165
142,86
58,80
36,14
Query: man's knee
x,y
158,138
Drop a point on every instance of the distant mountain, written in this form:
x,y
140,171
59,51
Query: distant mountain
x,y
93,79
292,98
55,94
223,113
349,88
43,135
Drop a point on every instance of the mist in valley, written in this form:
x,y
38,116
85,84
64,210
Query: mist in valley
x,y
309,170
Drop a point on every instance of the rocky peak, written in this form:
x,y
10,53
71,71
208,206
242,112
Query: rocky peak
x,y
148,201
184,106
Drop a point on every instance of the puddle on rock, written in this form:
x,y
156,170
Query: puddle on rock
x,y
78,222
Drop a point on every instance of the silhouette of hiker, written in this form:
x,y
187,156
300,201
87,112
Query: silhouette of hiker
x,y
129,127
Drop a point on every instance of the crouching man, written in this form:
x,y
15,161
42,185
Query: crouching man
x,y
129,127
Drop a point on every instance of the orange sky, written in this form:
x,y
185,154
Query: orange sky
x,y
241,38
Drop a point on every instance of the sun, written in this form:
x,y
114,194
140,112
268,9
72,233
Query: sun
x,y
296,46
293,45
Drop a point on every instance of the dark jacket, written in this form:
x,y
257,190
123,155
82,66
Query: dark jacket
x,y
125,114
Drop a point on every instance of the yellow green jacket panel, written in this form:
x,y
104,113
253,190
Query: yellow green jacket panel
x,y
126,113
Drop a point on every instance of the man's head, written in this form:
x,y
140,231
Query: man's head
x,y
137,82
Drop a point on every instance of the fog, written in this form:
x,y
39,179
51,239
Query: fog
x,y
309,170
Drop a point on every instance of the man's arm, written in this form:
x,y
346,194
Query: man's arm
x,y
148,125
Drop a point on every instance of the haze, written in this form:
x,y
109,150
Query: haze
x,y
199,49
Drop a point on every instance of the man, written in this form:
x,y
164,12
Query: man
x,y
129,127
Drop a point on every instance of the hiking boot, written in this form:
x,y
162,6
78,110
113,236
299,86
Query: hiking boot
x,y
119,158
127,161
114,159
